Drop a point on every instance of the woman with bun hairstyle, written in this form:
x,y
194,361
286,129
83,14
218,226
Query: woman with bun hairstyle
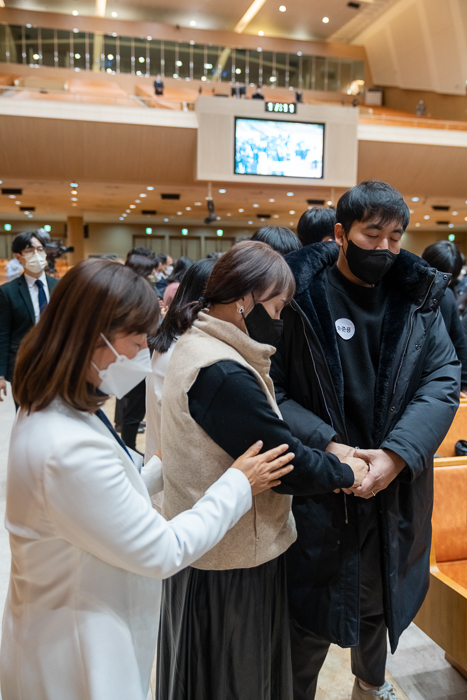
x,y
224,619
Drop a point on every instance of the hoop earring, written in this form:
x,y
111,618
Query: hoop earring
x,y
240,309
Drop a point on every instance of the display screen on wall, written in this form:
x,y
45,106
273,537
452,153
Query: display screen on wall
x,y
278,148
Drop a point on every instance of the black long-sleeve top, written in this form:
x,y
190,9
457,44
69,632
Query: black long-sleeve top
x,y
227,402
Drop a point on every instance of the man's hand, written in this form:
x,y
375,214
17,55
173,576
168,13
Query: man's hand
x,y
3,390
342,452
385,465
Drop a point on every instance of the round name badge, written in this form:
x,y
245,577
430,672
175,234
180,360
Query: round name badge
x,y
345,328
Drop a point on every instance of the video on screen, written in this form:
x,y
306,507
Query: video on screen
x,y
280,148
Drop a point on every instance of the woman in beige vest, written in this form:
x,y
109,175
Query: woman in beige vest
x,y
224,625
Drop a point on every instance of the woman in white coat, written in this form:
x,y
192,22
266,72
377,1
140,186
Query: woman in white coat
x,y
88,551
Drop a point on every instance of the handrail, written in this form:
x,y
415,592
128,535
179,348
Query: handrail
x,y
416,122
124,100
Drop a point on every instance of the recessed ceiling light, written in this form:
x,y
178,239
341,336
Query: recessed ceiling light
x,y
114,14
256,205
417,225
291,223
137,201
275,216
18,202
75,31
282,8
74,192
272,199
329,203
74,199
75,13
229,214
192,43
114,33
74,204
73,184
192,23
149,188
289,194
299,53
188,208
426,216
197,204
121,218
292,211
259,49
325,20
241,211
143,195
454,213
179,213
250,222
11,196
261,33
222,191
238,71
450,225
416,199
127,211
132,206
77,55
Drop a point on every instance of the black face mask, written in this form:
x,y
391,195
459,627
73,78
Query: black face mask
x,y
262,328
370,266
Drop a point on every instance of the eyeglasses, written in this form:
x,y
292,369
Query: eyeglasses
x,y
29,252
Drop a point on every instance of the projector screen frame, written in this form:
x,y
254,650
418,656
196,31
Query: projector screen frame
x,y
288,121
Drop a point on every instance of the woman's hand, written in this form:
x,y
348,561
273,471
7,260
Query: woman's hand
x,y
265,471
359,467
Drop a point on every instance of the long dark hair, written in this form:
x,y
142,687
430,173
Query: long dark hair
x,y
249,267
94,297
191,288
180,268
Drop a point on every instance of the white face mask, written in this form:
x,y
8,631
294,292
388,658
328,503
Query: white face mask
x,y
35,262
169,270
124,373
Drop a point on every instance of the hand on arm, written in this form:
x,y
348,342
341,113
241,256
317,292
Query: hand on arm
x,y
264,471
3,388
384,465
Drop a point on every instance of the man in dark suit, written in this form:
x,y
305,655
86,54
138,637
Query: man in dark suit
x,y
22,301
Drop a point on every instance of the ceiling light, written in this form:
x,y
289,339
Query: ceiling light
x,y
299,53
454,213
75,13
179,63
208,66
275,216
238,71
450,226
149,230
291,211
149,188
165,219
228,214
259,49
416,199
36,56
7,227
203,77
132,206
329,203
127,211
289,194
74,192
256,205
175,75
192,23
272,79
188,208
137,201
282,8
222,191
179,213
291,223
242,210
250,222
74,199
114,34
426,216
220,232
260,33
77,55
141,59
149,38
18,202
114,14
11,196
325,20
75,31
272,199
122,218
417,225
143,195
74,204
197,204
192,43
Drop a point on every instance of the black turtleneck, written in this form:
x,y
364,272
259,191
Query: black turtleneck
x,y
359,349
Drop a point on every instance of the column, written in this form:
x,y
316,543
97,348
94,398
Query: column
x,y
75,238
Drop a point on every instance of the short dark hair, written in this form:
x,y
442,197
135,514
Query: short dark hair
x,y
191,289
444,256
146,252
23,240
142,265
162,257
315,224
279,238
180,268
94,297
372,200
249,267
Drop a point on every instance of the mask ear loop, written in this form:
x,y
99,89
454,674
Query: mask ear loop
x,y
107,342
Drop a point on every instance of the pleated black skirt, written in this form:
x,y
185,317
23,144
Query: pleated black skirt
x,y
224,635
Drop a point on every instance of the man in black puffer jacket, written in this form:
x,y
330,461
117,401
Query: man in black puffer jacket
x,y
365,363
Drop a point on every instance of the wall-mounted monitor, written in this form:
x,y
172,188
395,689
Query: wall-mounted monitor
x,y
280,148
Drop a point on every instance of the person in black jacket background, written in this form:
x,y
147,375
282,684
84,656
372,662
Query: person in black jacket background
x,y
23,300
445,256
364,362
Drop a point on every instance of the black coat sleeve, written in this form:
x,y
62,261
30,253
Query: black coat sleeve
x,y
448,308
304,424
5,332
427,418
227,402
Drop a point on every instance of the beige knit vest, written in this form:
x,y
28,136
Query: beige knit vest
x,y
192,462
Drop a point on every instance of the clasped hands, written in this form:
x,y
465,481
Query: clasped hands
x,y
382,467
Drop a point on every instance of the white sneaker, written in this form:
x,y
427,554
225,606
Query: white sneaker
x,y
386,692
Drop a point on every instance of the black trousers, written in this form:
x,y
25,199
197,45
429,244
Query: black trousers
x,y
134,408
368,658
